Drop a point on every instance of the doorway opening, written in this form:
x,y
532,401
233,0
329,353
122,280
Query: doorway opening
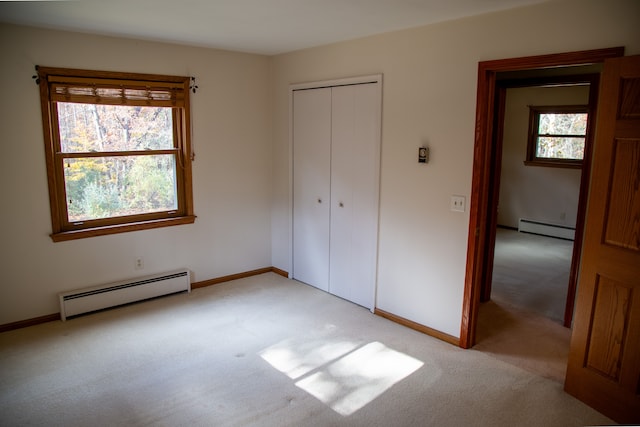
x,y
485,186
529,290
540,197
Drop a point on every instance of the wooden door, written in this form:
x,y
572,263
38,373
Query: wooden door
x,y
604,359
355,148
311,179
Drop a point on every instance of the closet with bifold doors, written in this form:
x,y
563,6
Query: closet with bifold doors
x,y
336,174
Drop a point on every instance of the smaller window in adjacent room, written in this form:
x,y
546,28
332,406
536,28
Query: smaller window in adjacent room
x,y
557,135
118,151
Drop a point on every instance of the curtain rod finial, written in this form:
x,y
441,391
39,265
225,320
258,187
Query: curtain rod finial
x,y
35,76
193,85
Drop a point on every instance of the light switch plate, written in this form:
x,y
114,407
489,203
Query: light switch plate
x,y
458,203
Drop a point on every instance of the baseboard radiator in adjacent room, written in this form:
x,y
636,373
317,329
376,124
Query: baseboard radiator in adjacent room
x,y
86,300
546,229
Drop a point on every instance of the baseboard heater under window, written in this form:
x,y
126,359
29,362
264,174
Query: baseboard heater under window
x,y
546,229
86,300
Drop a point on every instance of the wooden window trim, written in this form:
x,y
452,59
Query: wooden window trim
x,y
146,90
123,228
534,115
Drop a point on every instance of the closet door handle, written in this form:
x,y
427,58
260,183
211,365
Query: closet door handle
x,y
319,200
341,204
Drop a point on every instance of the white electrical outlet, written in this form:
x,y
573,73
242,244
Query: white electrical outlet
x,y
457,203
139,263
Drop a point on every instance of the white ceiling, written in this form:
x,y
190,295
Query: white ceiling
x,y
259,26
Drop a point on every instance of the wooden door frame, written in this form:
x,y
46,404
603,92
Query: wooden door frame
x,y
483,197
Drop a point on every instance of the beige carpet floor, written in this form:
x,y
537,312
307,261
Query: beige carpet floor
x,y
522,324
531,272
262,351
524,339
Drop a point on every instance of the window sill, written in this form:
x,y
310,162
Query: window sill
x,y
554,164
121,228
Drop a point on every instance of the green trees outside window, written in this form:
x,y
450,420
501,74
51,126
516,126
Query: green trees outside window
x,y
108,186
557,135
118,151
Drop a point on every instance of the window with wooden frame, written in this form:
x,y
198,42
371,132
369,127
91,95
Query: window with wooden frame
x,y
557,135
117,149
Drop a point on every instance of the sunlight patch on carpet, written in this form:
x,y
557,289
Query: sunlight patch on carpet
x,y
344,375
295,358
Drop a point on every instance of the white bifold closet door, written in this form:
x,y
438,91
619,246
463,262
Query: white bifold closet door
x,y
355,141
311,186
336,174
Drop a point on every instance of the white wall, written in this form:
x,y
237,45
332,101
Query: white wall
x,y
231,174
241,137
429,96
545,194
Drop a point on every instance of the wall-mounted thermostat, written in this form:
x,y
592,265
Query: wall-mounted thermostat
x,y
423,155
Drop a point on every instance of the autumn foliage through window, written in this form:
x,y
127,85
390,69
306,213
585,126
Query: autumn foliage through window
x,y
102,187
557,135
118,151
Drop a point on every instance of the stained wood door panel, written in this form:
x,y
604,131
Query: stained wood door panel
x,y
623,221
604,359
612,358
630,93
609,327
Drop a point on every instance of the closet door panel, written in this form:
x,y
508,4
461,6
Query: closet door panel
x,y
342,133
311,191
354,192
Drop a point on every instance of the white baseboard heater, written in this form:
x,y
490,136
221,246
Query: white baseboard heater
x,y
546,229
86,300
